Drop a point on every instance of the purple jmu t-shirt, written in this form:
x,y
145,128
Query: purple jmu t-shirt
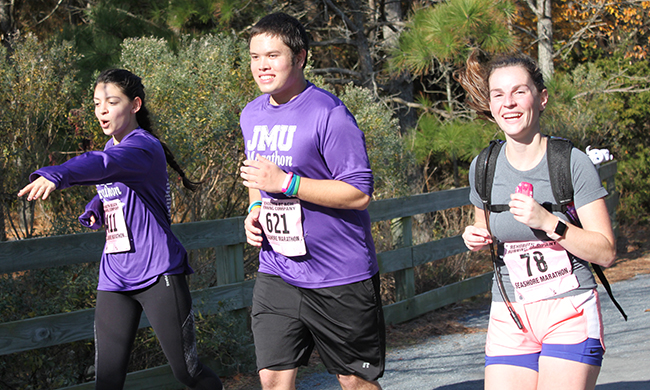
x,y
135,173
315,136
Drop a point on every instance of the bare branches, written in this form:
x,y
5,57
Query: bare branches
x,y
630,89
348,72
332,42
348,22
578,35
341,81
140,18
616,83
533,7
51,13
443,113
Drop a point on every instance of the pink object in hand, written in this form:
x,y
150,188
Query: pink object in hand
x,y
525,188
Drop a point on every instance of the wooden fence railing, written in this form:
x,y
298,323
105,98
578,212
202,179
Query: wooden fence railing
x,y
232,291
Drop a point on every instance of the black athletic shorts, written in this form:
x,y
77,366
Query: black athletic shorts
x,y
345,323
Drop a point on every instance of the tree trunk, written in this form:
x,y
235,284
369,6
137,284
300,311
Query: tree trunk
x,y
393,14
3,200
6,21
545,36
6,30
401,85
7,25
361,42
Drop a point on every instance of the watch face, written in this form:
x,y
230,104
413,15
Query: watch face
x,y
560,228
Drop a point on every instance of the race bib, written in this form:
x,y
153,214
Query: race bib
x,y
117,237
539,269
281,220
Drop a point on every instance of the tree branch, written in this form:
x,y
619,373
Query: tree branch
x,y
332,42
341,81
528,32
137,17
342,15
337,70
537,11
53,11
630,89
580,33
442,113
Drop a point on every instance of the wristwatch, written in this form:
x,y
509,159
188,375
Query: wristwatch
x,y
560,230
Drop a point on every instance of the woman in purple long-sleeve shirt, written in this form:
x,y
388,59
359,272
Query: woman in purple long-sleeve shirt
x,y
143,264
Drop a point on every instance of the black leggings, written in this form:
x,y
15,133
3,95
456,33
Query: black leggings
x,y
168,306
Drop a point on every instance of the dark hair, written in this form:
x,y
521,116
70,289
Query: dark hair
x,y
131,86
290,31
474,77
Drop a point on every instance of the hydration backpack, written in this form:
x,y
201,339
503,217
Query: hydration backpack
x,y
558,157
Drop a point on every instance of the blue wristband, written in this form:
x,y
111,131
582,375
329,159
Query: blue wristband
x,y
257,203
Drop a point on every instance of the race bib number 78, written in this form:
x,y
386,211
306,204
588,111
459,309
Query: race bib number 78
x,y
539,269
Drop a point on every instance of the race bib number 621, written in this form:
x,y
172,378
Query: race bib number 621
x,y
281,220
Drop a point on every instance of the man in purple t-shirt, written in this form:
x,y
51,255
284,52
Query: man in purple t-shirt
x,y
309,183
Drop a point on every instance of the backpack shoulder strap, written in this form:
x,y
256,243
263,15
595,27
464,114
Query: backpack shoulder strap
x,y
558,157
603,279
484,174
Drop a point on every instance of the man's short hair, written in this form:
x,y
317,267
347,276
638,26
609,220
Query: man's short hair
x,y
290,31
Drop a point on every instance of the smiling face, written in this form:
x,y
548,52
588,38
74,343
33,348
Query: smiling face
x,y
275,69
114,110
515,102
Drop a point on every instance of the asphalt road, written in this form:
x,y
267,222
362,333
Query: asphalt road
x,y
455,362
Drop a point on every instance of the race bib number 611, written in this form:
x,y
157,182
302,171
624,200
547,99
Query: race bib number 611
x,y
117,236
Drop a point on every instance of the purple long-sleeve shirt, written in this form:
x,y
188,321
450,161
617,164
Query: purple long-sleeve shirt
x,y
315,136
135,173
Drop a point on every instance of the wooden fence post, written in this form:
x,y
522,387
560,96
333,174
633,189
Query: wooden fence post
x,y
230,269
401,232
230,264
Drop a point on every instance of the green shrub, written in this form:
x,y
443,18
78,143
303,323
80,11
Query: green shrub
x,y
196,95
633,184
391,162
37,91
